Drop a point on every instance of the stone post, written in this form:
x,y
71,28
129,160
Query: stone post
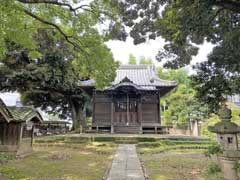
x,y
227,138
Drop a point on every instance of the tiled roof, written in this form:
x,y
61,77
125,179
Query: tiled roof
x,y
24,113
142,75
4,110
12,113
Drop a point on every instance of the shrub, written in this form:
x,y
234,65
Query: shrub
x,y
214,168
213,149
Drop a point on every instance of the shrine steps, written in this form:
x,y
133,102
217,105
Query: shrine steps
x,y
128,129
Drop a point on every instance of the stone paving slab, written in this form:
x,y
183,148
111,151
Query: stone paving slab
x,y
126,164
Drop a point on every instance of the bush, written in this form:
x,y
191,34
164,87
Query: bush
x,y
6,157
213,149
237,167
214,168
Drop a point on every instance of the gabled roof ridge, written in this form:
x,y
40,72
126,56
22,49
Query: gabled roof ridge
x,y
24,113
135,66
142,75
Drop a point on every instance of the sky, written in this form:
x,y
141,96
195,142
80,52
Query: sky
x,y
121,51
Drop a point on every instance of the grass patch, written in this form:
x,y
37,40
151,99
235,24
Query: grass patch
x,y
167,145
61,161
178,159
180,164
6,157
113,139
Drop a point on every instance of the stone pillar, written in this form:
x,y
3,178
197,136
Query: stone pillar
x,y
228,168
227,139
195,128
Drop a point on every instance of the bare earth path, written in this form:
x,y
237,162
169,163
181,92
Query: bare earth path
x,y
126,164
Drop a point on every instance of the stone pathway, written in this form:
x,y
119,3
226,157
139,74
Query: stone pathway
x,y
126,164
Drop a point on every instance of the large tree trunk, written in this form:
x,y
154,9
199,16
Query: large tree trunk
x,y
79,122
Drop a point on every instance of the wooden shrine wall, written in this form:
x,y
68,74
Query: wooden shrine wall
x,y
10,133
102,109
150,108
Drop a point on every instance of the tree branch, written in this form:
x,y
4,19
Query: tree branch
x,y
66,37
228,4
56,2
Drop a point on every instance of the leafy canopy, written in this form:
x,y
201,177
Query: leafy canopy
x,y
71,20
185,24
53,81
180,104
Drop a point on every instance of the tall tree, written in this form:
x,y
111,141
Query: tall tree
x,y
132,59
181,104
185,24
52,81
70,19
143,60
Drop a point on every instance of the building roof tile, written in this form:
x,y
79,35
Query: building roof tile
x,y
19,114
142,75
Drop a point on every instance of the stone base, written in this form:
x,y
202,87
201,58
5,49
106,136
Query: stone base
x,y
228,168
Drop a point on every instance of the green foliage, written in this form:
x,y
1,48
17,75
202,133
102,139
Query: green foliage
x,y
132,59
52,81
181,102
47,47
167,145
213,119
6,157
143,60
184,25
180,75
71,20
214,168
54,162
213,149
237,167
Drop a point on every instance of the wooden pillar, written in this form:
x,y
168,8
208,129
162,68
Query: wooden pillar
x,y
159,108
5,138
112,115
21,133
127,109
140,113
93,106
32,136
155,129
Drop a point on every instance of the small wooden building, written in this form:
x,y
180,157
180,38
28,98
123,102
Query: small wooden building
x,y
17,128
132,103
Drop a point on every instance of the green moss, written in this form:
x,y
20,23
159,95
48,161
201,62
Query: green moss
x,y
87,161
166,145
178,164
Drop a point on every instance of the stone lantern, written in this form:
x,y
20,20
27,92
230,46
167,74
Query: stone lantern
x,y
227,138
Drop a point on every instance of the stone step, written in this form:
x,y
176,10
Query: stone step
x,y
127,129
